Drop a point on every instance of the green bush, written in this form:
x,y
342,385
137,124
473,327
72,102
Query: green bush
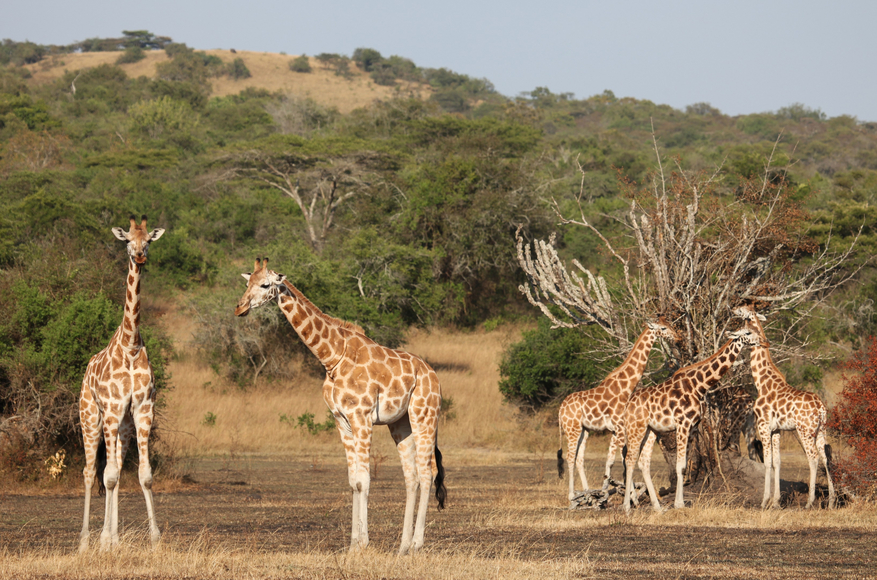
x,y
301,64
131,54
238,69
547,365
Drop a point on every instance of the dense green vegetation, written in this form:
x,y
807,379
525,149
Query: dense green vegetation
x,y
401,213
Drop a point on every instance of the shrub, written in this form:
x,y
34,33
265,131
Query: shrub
x,y
546,365
301,64
367,58
131,54
853,420
238,70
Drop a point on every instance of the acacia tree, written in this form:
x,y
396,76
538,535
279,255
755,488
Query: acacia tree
x,y
694,249
319,175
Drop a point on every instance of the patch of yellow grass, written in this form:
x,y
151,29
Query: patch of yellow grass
x,y
269,71
208,557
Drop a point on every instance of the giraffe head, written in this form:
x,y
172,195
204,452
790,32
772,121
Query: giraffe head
x,y
747,312
263,285
748,336
662,329
138,239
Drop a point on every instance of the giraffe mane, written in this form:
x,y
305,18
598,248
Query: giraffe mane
x,y
331,319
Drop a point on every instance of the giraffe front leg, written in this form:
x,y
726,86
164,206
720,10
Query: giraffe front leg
x,y
91,437
767,450
634,439
356,437
614,444
109,536
142,421
401,432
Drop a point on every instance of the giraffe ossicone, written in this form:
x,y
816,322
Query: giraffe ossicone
x,y
602,407
672,405
117,400
366,385
780,407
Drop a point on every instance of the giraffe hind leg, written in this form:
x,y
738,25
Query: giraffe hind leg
x,y
92,439
401,432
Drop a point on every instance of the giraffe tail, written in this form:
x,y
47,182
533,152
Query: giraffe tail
x,y
441,493
101,465
560,453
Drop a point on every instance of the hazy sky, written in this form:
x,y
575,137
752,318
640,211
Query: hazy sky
x,y
742,56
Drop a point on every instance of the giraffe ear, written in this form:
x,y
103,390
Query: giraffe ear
x,y
247,276
155,234
280,278
120,234
761,317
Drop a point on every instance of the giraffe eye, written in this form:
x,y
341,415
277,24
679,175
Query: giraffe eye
x,y
266,285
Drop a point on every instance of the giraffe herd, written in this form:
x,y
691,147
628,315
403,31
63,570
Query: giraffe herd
x,y
368,384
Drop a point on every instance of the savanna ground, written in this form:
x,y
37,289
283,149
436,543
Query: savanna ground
x,y
252,496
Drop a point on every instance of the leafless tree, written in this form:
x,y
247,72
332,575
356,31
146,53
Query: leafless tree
x,y
694,249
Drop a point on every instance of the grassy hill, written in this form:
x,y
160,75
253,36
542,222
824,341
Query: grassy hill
x,y
270,71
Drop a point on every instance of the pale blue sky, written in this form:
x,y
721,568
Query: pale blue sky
x,y
742,56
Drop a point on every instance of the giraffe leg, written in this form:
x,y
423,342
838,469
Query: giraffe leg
x,y
580,459
90,421
820,446
574,433
141,421
424,439
401,432
356,437
645,465
109,536
614,445
775,447
765,438
635,435
809,445
682,432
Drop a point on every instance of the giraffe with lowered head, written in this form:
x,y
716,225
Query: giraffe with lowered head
x,y
117,400
779,408
602,408
366,385
674,404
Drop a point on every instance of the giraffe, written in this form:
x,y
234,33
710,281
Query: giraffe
x,y
117,400
779,408
602,407
674,404
366,385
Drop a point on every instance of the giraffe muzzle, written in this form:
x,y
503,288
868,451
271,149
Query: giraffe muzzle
x,y
242,309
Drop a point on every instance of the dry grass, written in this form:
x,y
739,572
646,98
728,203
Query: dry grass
x,y
208,557
269,71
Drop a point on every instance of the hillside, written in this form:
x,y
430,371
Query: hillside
x,y
269,71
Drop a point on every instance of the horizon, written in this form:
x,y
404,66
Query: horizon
x,y
742,59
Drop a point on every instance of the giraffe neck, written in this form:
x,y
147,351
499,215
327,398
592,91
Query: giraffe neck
x,y
715,367
318,331
763,368
636,361
130,329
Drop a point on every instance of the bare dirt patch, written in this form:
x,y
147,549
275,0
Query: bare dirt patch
x,y
276,508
